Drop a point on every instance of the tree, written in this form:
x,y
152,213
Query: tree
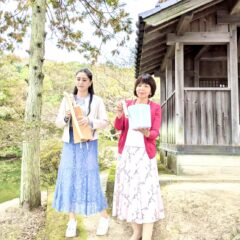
x,y
107,18
30,194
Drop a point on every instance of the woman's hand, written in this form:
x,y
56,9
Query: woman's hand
x,y
83,121
144,131
67,115
119,109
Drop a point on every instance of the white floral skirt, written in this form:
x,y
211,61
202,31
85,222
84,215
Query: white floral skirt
x,y
137,195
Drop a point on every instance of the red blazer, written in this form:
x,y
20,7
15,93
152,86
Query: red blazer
x,y
150,142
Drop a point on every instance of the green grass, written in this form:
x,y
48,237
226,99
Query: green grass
x,y
10,174
56,223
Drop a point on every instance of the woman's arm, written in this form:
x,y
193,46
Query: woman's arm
x,y
102,119
119,123
120,118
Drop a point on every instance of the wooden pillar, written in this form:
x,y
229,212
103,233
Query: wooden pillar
x,y
179,91
169,78
233,83
196,72
162,87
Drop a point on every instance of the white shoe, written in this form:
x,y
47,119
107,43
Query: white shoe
x,y
71,229
103,226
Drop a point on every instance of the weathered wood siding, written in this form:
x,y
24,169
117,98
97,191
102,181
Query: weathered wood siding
x,y
207,117
207,22
168,121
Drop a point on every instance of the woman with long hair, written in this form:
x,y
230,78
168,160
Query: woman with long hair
x,y
78,189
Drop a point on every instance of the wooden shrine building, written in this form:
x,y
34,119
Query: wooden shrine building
x,y
193,46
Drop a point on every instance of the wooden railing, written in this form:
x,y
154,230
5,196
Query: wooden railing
x,y
168,120
207,117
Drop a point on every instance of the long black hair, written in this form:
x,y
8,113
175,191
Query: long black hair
x,y
90,89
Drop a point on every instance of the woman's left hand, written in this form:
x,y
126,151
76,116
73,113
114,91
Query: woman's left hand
x,y
83,121
144,131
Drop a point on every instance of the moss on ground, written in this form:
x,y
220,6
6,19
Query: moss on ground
x,y
56,223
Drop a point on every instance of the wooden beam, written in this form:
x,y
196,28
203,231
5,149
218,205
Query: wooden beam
x,y
152,45
196,72
146,51
169,78
151,59
184,24
199,38
154,66
202,50
162,88
182,27
156,35
151,65
149,70
223,18
223,58
169,54
151,29
207,10
179,93
236,8
152,54
233,83
174,11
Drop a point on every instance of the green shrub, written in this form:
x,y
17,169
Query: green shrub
x,y
10,152
7,113
50,158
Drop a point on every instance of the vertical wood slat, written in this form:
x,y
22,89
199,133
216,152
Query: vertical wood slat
x,y
163,131
168,121
179,93
219,119
210,117
162,87
169,77
169,90
225,106
187,103
203,119
207,117
195,115
171,120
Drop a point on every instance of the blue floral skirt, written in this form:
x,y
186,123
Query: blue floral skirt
x,y
78,188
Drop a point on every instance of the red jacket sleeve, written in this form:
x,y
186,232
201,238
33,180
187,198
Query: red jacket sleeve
x,y
119,123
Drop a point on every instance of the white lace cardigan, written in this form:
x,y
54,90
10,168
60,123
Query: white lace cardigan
x,y
97,116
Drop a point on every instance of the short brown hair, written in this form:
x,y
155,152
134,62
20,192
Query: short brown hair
x,y
147,79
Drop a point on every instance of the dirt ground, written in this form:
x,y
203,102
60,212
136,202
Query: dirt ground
x,y
19,224
194,211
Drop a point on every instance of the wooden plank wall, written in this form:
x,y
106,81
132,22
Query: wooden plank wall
x,y
171,120
207,117
207,23
167,132
163,130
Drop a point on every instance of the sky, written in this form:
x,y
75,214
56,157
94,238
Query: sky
x,y
134,7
